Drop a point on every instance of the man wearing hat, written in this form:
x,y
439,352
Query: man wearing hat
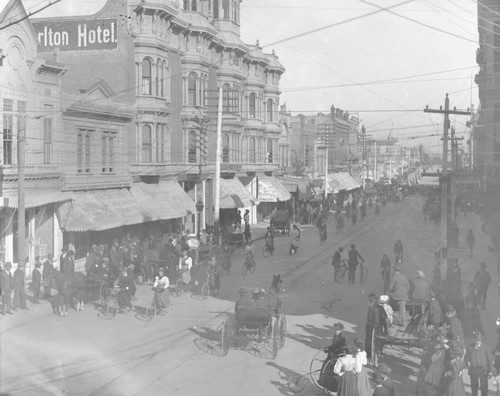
x,y
6,286
435,316
455,331
48,267
482,280
352,263
379,389
337,258
400,287
479,361
91,261
19,285
375,324
420,290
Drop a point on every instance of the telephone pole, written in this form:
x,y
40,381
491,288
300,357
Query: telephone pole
x,y
218,153
21,144
446,179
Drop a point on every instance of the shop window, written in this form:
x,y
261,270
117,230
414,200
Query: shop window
x,y
225,148
147,144
226,98
146,76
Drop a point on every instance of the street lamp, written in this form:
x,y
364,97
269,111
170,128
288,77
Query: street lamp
x,y
199,208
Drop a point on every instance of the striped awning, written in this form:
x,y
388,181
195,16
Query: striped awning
x,y
271,190
343,182
234,195
302,187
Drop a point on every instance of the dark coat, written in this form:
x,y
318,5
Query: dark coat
x,y
18,279
6,279
36,277
338,344
115,258
381,391
68,266
48,267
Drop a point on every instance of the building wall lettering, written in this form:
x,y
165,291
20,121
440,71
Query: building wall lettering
x,y
95,34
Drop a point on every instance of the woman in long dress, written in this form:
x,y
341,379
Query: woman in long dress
x,y
364,386
185,264
345,369
436,369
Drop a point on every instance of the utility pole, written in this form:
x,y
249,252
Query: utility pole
x,y
446,184
21,145
375,172
218,153
326,160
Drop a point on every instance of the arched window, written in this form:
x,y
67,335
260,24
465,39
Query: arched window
x,y
146,76
163,78
269,110
192,89
225,148
251,150
193,5
146,144
226,98
192,147
251,104
216,9
269,151
185,4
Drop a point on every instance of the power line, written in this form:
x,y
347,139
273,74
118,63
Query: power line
x,y
29,15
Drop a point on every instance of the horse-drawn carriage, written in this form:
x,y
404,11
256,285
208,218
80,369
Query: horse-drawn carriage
x,y
258,319
280,221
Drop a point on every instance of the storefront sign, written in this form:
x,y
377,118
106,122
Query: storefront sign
x,y
92,34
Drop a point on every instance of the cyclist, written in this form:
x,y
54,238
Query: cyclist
x,y
385,266
295,234
249,255
226,256
322,229
398,252
269,238
353,262
160,287
337,258
125,284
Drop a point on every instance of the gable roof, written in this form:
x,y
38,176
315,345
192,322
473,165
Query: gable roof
x,y
13,11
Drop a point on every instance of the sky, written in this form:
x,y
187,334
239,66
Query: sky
x,y
427,50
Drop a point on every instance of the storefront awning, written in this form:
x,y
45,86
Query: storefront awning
x,y
302,187
234,195
163,201
32,198
343,182
102,209
271,190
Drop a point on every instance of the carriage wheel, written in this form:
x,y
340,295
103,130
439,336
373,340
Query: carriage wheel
x,y
281,330
205,290
252,267
266,252
151,311
275,339
317,369
178,287
226,336
244,269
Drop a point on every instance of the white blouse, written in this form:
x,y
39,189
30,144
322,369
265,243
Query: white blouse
x,y
344,363
163,281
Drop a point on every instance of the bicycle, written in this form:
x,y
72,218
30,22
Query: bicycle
x,y
341,271
363,274
268,248
156,308
248,265
212,284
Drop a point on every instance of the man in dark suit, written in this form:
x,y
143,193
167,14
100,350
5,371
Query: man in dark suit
x,y
18,284
48,267
68,264
379,389
6,283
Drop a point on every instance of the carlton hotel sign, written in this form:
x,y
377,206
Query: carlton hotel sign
x,y
79,35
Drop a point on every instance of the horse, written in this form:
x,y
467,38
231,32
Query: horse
x,y
69,288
